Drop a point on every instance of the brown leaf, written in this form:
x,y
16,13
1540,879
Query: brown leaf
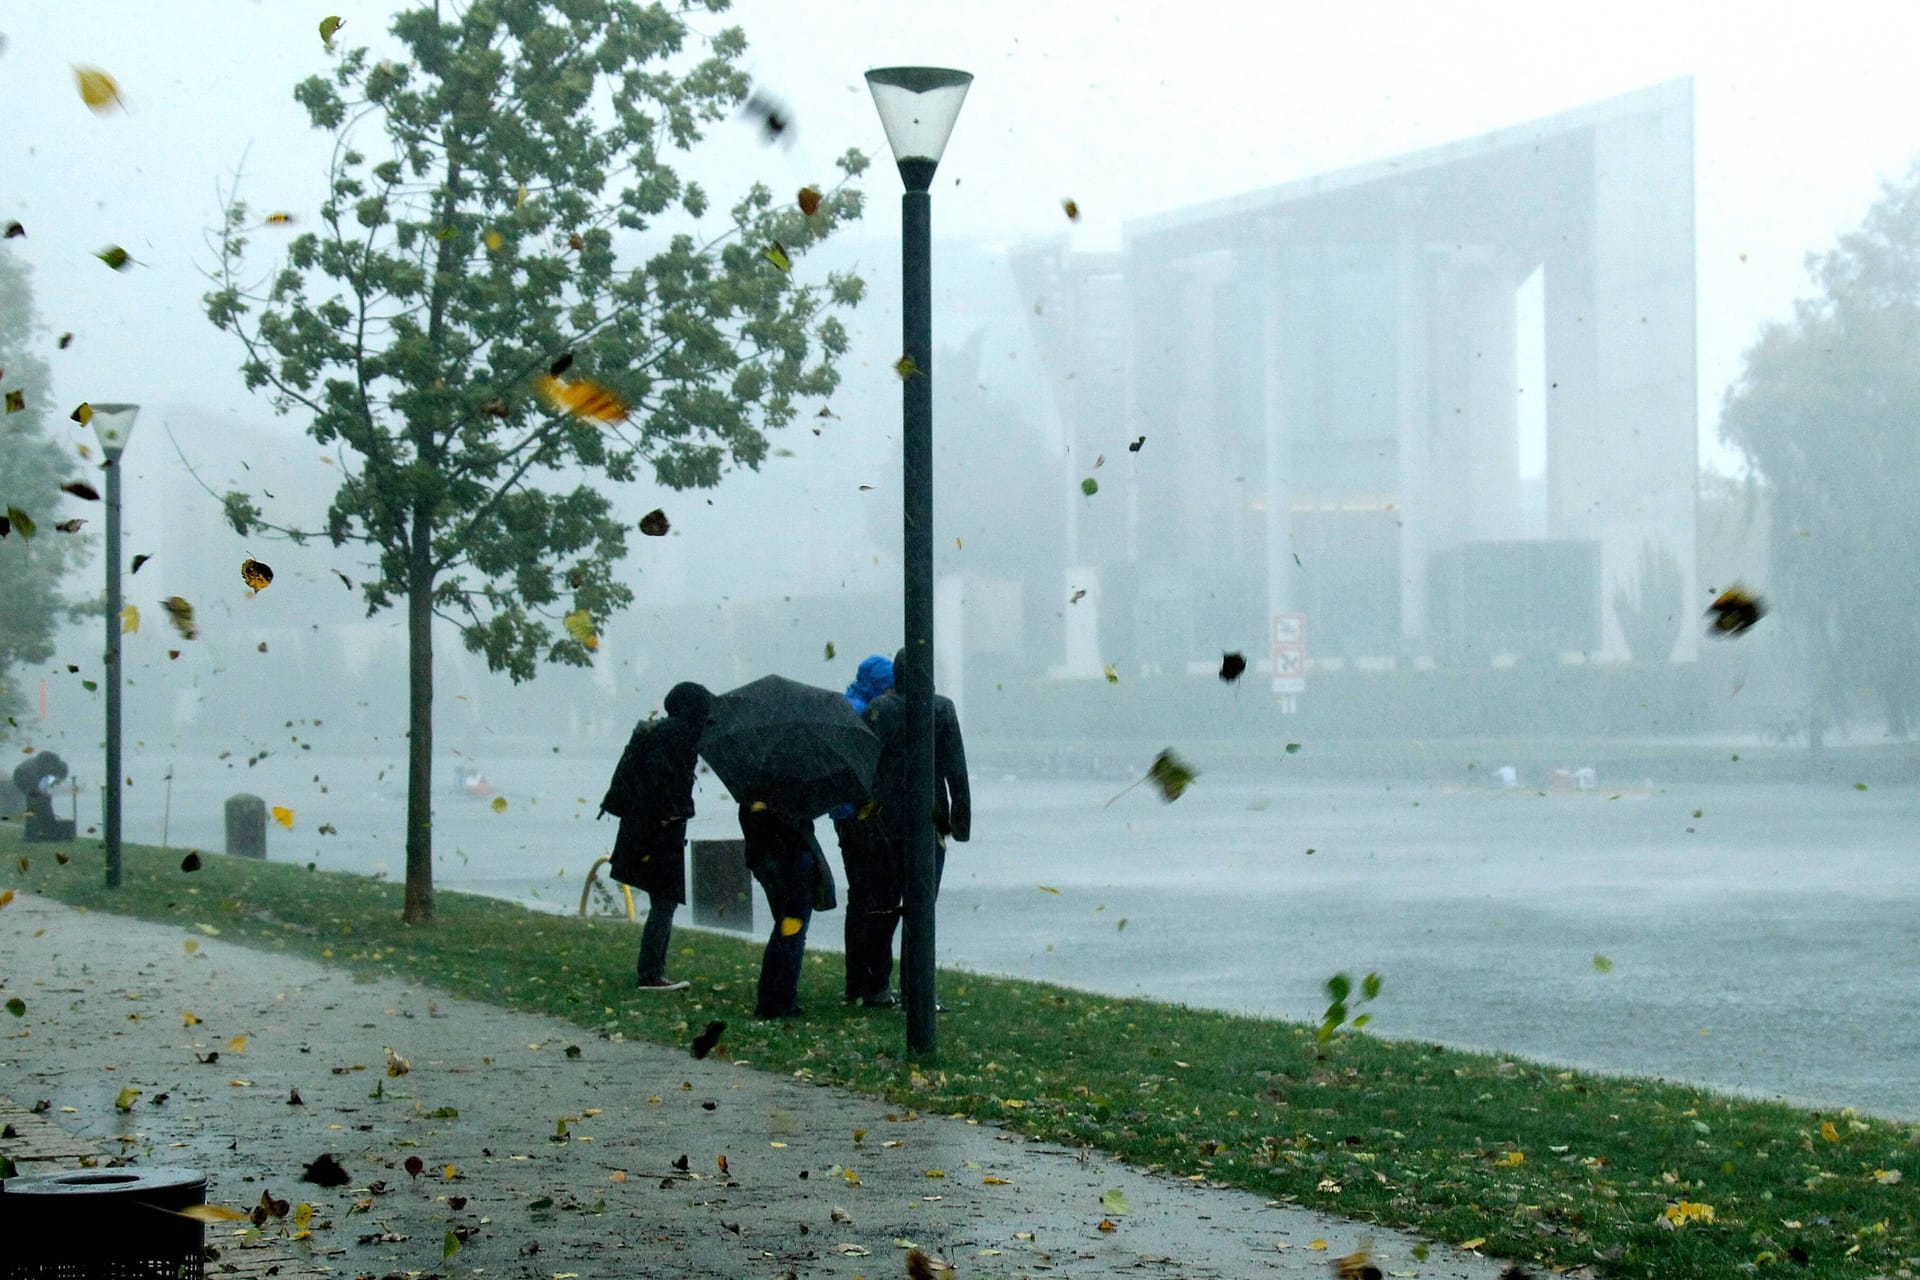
x,y
82,490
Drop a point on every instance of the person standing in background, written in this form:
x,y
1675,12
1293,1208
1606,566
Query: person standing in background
x,y
869,924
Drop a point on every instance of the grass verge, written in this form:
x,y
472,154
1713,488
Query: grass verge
x,y
1627,1177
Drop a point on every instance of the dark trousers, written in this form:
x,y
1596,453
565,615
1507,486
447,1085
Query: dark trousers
x,y
789,890
895,884
873,906
656,935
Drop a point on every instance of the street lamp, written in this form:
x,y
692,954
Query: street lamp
x,y
112,424
918,106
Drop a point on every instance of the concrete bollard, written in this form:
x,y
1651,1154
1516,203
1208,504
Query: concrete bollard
x,y
722,890
246,826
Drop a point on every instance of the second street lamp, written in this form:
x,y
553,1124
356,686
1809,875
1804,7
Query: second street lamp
x,y
918,106
112,424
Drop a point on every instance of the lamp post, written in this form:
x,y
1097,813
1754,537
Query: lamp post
x,y
112,424
918,106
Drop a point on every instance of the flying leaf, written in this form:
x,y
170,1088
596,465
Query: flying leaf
x,y
124,1100
209,1213
654,523
66,340
180,613
129,619
1113,676
138,561
561,363
1293,748
16,401
579,625
21,522
1232,666
283,816
777,255
256,575
70,526
499,804
328,26
6,897
495,241
190,863
906,367
15,231
1089,486
82,490
1601,964
1357,1265
325,1171
449,1246
1735,611
238,1044
1115,1201
97,89
188,1018
114,256
1046,888
583,398
280,220
82,413
703,1044
809,201
1073,209
829,651
1171,775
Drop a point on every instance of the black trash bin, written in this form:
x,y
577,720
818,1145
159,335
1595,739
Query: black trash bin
x,y
246,826
103,1224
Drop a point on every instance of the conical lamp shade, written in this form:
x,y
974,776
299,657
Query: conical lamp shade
x,y
918,106
112,424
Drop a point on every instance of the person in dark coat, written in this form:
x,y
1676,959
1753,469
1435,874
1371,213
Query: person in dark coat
x,y
952,809
870,914
652,795
34,777
783,856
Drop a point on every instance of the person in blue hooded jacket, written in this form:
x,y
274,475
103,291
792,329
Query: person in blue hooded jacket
x,y
869,923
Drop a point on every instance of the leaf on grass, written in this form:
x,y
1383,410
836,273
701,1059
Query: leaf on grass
x,y
1828,1132
1115,1201
283,816
256,575
809,201
579,625
654,523
1474,1243
129,619
1680,1213
97,89
82,490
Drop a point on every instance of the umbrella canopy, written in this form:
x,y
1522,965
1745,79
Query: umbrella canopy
x,y
798,747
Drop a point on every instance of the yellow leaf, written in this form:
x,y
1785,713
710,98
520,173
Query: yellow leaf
x,y
1046,888
328,26
124,1101
906,367
583,398
283,816
778,256
187,1017
936,1173
521,199
495,241
991,1181
256,575
6,897
449,1172
82,414
130,619
97,89
1886,1177
790,925
1113,677
1828,1132
1512,1158
209,1213
499,804
1474,1243
1685,1211
238,1044
302,1214
192,945
579,625
1317,1244
1106,1224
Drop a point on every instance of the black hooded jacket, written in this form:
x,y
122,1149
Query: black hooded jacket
x,y
652,793
952,798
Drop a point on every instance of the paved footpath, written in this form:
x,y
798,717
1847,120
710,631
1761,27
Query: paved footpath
x,y
510,1145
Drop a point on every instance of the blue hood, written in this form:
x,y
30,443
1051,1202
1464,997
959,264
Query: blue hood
x,y
874,679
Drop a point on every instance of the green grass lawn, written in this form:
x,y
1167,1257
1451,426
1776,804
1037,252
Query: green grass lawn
x,y
1561,1167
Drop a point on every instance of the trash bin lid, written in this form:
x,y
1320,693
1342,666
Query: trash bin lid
x,y
93,1182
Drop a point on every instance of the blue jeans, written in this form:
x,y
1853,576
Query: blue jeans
x,y
789,897
656,935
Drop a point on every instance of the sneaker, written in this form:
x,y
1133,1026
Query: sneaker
x,y
663,984
881,1000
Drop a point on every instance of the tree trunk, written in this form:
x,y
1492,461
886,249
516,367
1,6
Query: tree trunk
x,y
419,900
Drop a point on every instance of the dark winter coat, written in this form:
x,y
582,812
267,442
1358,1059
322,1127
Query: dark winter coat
x,y
652,794
952,799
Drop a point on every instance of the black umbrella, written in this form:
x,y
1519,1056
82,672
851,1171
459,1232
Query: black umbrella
x,y
796,746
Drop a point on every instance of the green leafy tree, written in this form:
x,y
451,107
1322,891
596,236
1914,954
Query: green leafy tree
x,y
32,469
1649,610
1827,411
499,201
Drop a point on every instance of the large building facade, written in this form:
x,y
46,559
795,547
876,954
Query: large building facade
x,y
1429,409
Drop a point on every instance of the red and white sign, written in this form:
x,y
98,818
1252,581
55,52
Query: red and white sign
x,y
1289,651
